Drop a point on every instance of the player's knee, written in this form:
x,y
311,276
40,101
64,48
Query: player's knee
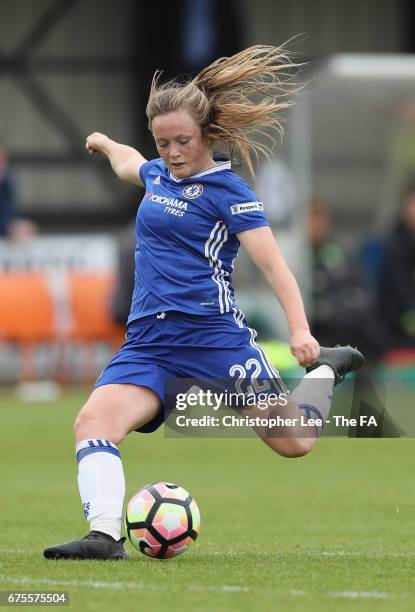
x,y
83,425
88,425
293,448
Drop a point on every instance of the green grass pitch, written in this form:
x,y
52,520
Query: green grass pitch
x,y
330,531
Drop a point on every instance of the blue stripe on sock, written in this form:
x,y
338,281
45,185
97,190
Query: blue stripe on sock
x,y
100,443
309,410
90,442
96,449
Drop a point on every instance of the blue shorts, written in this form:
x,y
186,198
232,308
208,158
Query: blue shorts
x,y
172,345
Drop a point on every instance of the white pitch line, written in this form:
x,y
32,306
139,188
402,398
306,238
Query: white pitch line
x,y
328,553
339,553
369,555
362,595
229,588
81,583
226,588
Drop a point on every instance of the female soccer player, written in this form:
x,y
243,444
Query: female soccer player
x,y
184,322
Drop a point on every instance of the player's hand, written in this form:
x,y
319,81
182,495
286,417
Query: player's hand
x,y
96,142
304,347
22,230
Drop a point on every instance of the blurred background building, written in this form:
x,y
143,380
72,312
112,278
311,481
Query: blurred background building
x,y
70,67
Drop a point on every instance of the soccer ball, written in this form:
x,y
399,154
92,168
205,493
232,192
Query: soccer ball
x,y
162,520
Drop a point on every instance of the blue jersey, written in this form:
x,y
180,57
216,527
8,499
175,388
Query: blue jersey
x,y
186,241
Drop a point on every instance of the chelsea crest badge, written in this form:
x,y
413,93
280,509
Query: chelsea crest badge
x,y
193,191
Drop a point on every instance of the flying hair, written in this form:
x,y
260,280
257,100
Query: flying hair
x,y
237,101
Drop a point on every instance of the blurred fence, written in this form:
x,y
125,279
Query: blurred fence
x,y
55,308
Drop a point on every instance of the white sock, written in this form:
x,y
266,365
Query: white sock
x,y
101,485
314,394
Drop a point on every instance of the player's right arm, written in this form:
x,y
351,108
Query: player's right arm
x,y
125,161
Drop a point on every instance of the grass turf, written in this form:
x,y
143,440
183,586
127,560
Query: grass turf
x,y
330,531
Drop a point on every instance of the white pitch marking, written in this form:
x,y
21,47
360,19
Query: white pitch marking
x,y
224,588
339,553
81,583
227,588
370,555
115,585
234,588
362,595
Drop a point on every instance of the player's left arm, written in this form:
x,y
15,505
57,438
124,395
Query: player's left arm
x,y
266,254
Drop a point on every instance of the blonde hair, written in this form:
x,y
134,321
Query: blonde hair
x,y
235,100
